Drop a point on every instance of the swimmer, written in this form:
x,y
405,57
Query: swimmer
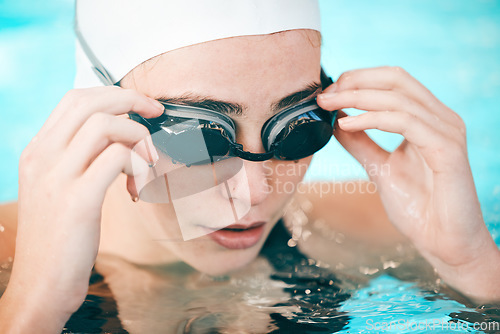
x,y
79,194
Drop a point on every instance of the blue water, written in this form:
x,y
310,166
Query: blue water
x,y
452,47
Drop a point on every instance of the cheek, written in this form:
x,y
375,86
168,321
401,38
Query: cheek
x,y
284,176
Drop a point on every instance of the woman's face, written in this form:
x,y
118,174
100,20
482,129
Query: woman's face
x,y
259,75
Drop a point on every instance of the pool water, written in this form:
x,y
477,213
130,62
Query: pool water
x,y
283,291
452,47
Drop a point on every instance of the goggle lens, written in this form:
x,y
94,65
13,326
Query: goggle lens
x,y
305,135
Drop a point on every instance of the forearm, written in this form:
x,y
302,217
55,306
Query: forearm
x,y
28,313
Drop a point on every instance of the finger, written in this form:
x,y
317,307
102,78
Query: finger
x,y
394,78
77,97
411,127
375,100
385,101
360,146
77,106
132,188
115,159
100,131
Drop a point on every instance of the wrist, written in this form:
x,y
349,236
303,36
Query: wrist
x,y
477,279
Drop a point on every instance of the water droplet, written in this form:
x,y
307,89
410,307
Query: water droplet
x,y
391,264
306,205
308,291
367,270
399,248
339,238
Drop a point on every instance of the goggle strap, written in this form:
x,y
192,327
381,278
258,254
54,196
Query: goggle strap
x,y
97,67
325,79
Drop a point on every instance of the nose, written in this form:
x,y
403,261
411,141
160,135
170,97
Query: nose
x,y
250,185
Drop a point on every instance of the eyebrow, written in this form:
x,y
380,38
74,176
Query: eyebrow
x,y
237,109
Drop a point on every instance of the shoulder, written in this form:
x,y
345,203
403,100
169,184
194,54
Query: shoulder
x,y
8,229
352,208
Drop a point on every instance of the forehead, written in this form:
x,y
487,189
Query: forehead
x,y
264,67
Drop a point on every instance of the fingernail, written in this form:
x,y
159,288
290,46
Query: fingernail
x,y
157,105
134,198
345,120
326,96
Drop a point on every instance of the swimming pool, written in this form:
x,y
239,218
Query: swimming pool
x,y
452,47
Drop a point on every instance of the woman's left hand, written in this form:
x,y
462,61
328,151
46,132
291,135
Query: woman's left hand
x,y
426,184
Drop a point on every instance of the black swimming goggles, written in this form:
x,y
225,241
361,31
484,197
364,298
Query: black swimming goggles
x,y
195,136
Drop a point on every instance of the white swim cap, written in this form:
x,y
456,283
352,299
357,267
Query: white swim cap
x,y
122,34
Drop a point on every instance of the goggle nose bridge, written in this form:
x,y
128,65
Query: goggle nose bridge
x,y
237,150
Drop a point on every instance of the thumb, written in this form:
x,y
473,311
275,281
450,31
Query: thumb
x,y
360,145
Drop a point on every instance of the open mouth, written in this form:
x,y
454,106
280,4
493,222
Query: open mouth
x,y
238,236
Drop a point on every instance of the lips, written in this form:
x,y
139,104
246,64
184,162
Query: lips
x,y
238,236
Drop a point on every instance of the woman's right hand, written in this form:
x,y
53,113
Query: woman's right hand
x,y
64,173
